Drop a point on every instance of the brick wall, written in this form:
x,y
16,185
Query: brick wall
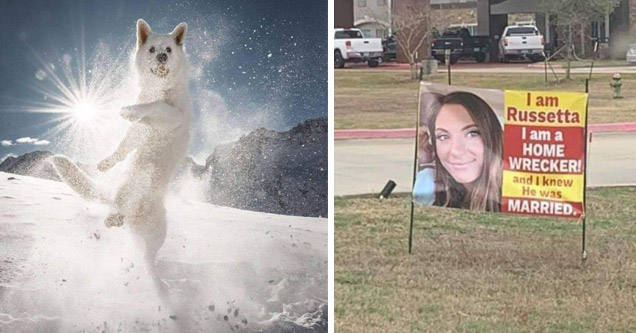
x,y
343,13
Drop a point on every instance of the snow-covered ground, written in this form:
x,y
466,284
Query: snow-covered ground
x,y
62,270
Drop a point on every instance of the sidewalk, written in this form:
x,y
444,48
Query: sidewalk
x,y
407,133
364,166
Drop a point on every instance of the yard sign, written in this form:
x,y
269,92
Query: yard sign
x,y
544,153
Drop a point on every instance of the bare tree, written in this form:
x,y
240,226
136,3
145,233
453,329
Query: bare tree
x,y
413,23
412,27
572,13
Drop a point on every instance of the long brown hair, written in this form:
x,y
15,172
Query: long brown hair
x,y
486,194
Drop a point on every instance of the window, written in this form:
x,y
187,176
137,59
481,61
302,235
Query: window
x,y
347,34
598,30
522,31
381,2
362,3
380,33
595,29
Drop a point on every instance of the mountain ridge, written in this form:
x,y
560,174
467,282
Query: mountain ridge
x,y
264,170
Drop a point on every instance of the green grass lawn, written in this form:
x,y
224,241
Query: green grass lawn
x,y
484,272
388,99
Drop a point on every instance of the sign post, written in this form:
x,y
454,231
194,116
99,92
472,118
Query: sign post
x,y
447,58
417,147
588,139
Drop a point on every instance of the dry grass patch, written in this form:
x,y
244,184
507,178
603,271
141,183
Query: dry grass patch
x,y
476,272
388,99
586,63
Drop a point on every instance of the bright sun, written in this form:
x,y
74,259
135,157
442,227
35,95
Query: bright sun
x,y
84,111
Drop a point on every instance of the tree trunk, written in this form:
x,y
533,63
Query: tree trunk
x,y
414,75
413,66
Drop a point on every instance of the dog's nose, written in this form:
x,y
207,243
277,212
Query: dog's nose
x,y
162,57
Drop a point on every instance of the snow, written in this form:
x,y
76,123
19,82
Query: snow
x,y
62,270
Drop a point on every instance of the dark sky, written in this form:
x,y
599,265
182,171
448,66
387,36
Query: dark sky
x,y
254,63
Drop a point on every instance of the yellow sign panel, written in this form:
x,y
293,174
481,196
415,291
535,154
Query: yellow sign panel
x,y
542,186
545,108
544,153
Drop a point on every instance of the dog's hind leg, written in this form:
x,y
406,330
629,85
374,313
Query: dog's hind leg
x,y
153,244
151,228
130,200
78,180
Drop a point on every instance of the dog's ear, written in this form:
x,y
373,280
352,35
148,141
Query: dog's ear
x,y
143,31
179,33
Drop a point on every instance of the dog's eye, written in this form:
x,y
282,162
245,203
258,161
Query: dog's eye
x,y
152,49
168,49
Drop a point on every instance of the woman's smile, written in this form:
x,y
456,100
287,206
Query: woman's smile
x,y
459,144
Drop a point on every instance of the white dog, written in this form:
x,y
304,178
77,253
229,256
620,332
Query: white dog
x,y
157,137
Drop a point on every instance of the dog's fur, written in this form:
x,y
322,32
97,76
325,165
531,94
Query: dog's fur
x,y
158,138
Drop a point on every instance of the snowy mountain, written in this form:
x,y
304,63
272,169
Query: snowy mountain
x,y
36,164
33,164
265,171
274,172
62,270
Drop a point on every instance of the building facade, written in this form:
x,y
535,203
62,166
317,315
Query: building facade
x,y
490,17
373,17
613,31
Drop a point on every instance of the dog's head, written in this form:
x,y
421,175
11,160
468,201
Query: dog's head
x,y
160,56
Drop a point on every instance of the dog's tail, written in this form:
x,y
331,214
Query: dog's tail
x,y
78,180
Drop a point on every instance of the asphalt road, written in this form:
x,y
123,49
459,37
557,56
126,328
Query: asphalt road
x,y
364,166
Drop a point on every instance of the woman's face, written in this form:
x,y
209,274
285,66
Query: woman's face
x,y
459,143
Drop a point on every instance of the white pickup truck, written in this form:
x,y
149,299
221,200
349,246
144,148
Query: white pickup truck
x,y
521,41
351,46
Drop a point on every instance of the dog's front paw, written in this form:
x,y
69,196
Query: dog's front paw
x,y
105,164
114,220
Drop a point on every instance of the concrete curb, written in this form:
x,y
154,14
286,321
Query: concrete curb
x,y
611,185
407,133
589,187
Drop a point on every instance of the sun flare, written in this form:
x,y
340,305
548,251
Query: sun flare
x,y
84,111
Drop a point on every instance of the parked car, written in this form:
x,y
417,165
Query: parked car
x,y
389,47
521,42
461,44
351,46
631,54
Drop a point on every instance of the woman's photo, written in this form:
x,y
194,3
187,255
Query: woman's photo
x,y
460,144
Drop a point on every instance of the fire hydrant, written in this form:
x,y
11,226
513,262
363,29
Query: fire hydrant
x,y
616,85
